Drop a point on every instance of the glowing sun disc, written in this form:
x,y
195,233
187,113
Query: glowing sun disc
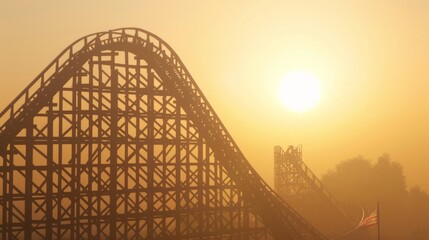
x,y
299,91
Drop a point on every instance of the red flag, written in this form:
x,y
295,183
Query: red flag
x,y
369,221
372,219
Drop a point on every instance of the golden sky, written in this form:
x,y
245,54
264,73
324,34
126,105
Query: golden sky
x,y
371,56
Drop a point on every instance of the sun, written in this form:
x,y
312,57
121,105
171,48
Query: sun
x,y
299,91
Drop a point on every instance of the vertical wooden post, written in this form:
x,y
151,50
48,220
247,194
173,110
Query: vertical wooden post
x,y
378,219
113,152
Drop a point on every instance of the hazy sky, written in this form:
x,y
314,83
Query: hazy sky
x,y
372,58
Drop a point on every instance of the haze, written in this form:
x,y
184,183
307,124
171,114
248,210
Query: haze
x,y
370,56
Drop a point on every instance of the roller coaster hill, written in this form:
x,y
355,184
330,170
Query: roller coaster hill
x,y
115,140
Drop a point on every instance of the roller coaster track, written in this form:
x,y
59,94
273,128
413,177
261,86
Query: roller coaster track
x,y
281,220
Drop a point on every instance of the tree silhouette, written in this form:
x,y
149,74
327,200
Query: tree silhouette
x,y
403,214
419,212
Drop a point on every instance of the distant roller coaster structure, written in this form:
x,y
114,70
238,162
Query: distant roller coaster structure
x,y
115,140
300,187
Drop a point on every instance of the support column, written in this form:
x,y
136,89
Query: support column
x,y
277,168
28,180
150,154
4,193
178,166
200,169
49,174
113,152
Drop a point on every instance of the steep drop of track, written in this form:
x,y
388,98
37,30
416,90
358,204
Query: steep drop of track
x,y
280,218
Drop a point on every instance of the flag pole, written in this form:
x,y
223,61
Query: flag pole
x,y
378,219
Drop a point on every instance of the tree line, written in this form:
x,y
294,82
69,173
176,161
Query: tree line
x,y
404,211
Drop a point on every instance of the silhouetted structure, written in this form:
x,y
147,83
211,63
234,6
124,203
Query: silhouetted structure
x,y
114,139
300,187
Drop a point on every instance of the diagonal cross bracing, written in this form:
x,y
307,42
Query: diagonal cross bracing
x,y
117,141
